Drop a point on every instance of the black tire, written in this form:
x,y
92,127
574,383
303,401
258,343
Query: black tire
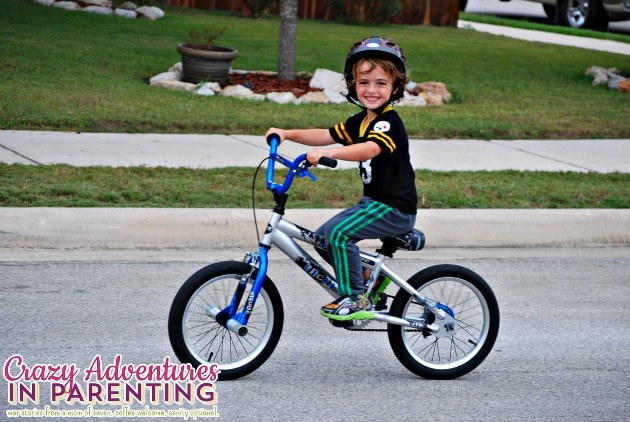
x,y
196,337
583,14
477,323
550,12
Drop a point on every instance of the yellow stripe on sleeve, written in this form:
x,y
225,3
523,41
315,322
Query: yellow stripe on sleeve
x,y
385,139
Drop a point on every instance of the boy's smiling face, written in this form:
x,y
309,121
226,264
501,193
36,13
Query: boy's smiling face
x,y
373,85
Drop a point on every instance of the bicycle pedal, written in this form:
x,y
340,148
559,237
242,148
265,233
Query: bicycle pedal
x,y
380,304
341,324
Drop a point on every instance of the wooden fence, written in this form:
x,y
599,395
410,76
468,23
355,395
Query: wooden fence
x,y
414,12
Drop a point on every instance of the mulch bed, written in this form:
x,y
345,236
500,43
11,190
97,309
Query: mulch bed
x,y
262,83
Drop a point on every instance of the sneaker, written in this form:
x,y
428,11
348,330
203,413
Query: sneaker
x,y
346,308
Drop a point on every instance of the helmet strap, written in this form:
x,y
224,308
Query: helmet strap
x,y
379,110
355,101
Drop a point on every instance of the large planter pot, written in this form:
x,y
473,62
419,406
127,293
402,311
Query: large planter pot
x,y
202,64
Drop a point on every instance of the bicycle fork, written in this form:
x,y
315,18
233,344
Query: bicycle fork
x,y
230,317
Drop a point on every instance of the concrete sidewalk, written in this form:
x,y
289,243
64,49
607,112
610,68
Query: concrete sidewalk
x,y
549,37
215,151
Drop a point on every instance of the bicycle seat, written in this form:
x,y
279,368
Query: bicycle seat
x,y
413,240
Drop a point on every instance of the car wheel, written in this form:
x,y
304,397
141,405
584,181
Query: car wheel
x,y
583,14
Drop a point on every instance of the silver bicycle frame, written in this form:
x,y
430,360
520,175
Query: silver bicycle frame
x,y
282,233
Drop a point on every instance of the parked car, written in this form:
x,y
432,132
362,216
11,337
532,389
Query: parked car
x,y
586,14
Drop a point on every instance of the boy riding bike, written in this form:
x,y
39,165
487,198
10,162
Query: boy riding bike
x,y
376,74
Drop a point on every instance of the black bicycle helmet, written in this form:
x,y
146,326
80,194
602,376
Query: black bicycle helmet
x,y
381,47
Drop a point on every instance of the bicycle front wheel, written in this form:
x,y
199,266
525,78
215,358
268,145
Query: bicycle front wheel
x,y
197,338
476,313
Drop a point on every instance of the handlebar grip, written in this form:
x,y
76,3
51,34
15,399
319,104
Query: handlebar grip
x,y
271,137
328,162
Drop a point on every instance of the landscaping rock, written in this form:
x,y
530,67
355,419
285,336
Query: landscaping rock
x,y
313,97
208,89
328,79
433,89
324,86
126,13
282,97
128,5
409,100
613,83
165,76
150,12
336,97
432,98
239,91
101,3
68,5
610,77
99,10
177,67
624,86
104,7
175,85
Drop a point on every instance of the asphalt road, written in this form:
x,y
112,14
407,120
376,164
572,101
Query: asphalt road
x,y
561,352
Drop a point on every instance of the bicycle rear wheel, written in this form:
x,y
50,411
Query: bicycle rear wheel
x,y
477,323
196,337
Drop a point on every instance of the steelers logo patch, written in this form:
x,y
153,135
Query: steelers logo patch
x,y
381,126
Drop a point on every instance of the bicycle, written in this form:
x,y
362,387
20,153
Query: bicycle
x,y
442,322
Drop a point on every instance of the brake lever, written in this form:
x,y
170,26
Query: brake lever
x,y
303,171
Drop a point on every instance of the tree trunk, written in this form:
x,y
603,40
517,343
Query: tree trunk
x,y
288,34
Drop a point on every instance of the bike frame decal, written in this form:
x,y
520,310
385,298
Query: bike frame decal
x,y
317,273
311,237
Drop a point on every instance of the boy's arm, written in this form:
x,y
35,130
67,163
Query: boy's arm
x,y
310,137
356,152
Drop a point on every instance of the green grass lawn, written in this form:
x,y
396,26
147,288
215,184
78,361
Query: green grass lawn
x,y
80,71
62,185
77,71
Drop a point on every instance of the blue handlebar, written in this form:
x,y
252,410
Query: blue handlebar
x,y
274,140
298,166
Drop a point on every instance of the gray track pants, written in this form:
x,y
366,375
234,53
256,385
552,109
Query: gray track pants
x,y
368,219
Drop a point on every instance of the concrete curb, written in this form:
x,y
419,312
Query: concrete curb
x,y
154,228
